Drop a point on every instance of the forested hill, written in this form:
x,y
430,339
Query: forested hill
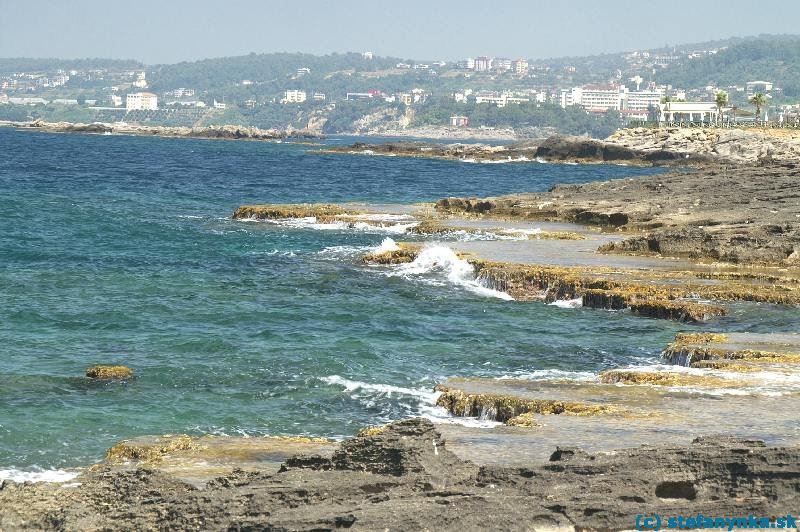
x,y
27,64
210,74
768,58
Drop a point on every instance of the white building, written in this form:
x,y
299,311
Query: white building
x,y
596,97
367,55
500,99
461,96
689,111
219,105
28,101
482,64
318,96
643,100
141,101
501,63
181,92
302,71
294,96
140,82
466,64
520,66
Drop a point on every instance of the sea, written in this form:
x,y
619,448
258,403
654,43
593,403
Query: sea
x,y
122,250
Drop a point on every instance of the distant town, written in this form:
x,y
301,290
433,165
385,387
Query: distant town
x,y
364,93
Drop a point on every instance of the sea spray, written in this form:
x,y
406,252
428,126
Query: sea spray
x,y
390,226
568,303
443,260
426,397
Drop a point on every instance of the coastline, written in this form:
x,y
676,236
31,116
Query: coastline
x,y
224,132
650,244
679,147
405,476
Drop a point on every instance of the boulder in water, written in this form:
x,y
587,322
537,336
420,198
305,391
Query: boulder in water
x,y
105,372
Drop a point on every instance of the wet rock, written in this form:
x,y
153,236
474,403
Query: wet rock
x,y
714,350
686,311
404,254
321,211
505,408
102,372
150,449
663,378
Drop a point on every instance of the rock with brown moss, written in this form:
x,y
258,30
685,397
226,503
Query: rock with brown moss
x,y
103,372
504,408
714,349
687,311
150,449
404,254
526,420
320,211
663,378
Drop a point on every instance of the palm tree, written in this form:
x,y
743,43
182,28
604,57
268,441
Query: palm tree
x,y
733,110
759,100
721,99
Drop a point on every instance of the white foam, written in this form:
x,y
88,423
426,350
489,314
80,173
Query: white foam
x,y
568,303
551,374
385,226
437,414
283,253
441,259
38,475
387,245
382,389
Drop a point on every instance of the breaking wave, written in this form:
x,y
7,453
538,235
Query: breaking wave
x,y
367,226
425,407
381,389
568,303
42,475
441,260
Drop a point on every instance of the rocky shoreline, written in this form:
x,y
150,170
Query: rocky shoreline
x,y
227,132
404,477
681,246
749,215
639,146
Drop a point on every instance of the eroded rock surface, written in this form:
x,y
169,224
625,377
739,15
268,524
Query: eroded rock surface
x,y
745,215
405,478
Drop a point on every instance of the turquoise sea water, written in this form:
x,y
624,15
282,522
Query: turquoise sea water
x,y
121,250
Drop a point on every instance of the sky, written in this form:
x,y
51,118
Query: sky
x,y
168,31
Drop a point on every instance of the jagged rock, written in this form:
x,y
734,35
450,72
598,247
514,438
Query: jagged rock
x,y
397,479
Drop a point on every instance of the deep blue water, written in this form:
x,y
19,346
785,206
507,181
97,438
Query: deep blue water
x,y
121,250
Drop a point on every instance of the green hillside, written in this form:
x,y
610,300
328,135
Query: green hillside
x,y
771,58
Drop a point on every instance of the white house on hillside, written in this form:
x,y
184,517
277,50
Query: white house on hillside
x,y
141,101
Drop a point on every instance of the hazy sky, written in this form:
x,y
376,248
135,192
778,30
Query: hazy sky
x,y
176,30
